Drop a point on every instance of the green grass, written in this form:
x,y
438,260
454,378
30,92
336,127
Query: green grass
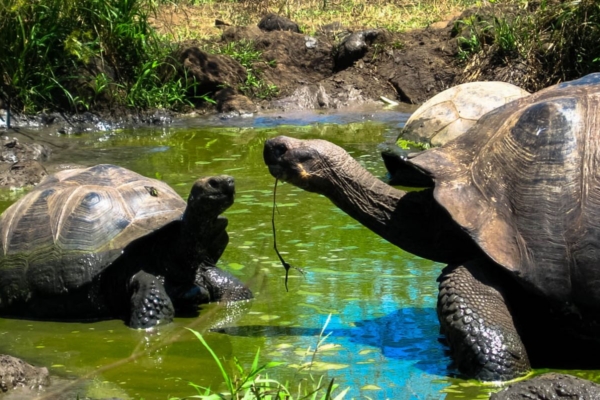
x,y
75,54
253,383
246,53
553,42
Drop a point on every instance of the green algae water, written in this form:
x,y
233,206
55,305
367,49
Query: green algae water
x,y
383,338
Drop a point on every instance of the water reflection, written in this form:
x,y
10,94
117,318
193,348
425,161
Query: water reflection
x,y
409,334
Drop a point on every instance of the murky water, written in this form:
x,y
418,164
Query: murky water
x,y
383,340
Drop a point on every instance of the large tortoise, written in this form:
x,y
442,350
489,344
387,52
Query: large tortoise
x,y
514,213
454,111
106,242
442,118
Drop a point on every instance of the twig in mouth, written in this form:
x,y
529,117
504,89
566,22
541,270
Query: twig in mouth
x,y
283,262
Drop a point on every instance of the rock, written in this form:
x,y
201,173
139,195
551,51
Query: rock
x,y
22,173
274,22
12,150
550,386
20,163
16,373
353,47
211,71
230,102
311,97
237,33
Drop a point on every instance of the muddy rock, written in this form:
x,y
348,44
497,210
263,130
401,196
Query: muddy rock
x,y
15,373
354,46
293,60
22,173
211,71
274,22
234,104
550,386
13,150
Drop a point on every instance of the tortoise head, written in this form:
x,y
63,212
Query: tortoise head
x,y
212,195
308,164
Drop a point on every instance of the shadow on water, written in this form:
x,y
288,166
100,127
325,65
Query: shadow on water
x,y
410,334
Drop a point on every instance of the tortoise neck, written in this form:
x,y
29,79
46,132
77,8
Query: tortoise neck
x,y
413,221
203,238
365,198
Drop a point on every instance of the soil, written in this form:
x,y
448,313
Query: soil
x,y
406,67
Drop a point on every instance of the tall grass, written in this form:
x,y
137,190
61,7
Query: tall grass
x,y
554,41
71,54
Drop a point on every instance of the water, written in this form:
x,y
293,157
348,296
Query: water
x,y
383,340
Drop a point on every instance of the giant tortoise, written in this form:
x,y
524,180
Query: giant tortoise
x,y
454,111
106,242
514,213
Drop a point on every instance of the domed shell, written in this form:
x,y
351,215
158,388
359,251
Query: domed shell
x,y
452,112
525,184
76,222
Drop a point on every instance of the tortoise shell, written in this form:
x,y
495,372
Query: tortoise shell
x,y
76,222
452,112
524,183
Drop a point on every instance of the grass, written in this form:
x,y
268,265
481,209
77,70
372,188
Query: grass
x,y
553,42
253,383
246,53
74,54
189,19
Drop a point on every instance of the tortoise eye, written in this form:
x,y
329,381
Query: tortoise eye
x,y
213,183
279,150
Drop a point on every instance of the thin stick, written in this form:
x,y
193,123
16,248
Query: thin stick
x,y
285,264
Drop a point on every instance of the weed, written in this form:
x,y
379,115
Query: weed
x,y
245,52
255,384
411,145
68,54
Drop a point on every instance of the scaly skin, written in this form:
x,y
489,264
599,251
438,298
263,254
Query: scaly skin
x,y
471,307
477,323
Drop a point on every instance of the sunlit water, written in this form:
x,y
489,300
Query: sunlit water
x,y
383,333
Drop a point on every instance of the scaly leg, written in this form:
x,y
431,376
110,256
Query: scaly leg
x,y
150,304
474,316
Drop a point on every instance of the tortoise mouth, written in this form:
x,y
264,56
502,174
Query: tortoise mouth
x,y
276,171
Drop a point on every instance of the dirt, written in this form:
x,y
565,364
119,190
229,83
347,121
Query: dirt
x,y
406,67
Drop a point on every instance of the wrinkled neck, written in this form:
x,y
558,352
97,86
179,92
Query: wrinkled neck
x,y
365,198
203,237
413,221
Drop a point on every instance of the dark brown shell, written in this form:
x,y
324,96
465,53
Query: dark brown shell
x,y
79,221
524,182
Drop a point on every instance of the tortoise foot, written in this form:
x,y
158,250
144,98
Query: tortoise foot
x,y
480,330
150,304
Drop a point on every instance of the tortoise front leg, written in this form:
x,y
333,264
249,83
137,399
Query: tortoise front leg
x,y
150,304
477,323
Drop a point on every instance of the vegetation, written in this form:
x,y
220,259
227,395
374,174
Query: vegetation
x,y
554,42
255,384
395,15
89,54
74,54
249,57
